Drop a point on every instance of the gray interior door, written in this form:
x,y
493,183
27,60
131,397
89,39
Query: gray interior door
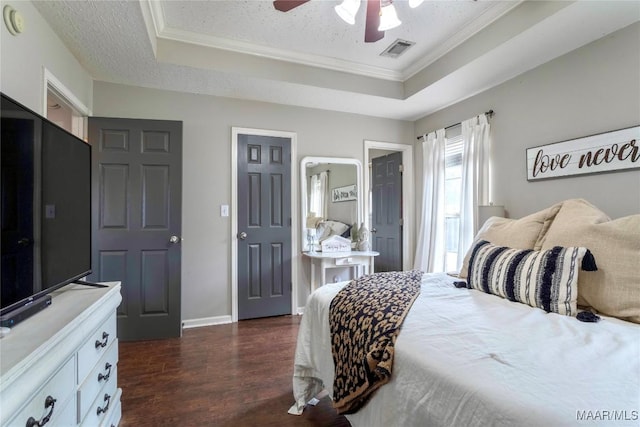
x,y
264,226
386,230
137,186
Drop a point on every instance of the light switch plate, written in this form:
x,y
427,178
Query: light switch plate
x,y
224,210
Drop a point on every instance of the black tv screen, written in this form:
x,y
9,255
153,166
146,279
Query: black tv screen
x,y
46,206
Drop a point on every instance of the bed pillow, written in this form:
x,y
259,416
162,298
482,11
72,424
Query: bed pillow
x,y
524,233
544,279
614,289
329,228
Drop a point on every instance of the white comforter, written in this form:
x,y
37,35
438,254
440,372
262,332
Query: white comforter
x,y
465,358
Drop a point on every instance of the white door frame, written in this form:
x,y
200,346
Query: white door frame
x,y
408,203
235,131
79,118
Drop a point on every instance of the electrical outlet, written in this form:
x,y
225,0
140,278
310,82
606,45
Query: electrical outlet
x,y
50,211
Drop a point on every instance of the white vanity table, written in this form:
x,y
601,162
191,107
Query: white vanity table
x,y
358,260
318,202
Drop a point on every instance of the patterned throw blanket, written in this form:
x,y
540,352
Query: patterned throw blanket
x,y
365,319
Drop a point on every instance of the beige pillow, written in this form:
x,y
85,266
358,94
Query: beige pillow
x,y
614,289
524,233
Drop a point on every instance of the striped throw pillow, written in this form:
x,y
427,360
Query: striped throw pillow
x,y
544,279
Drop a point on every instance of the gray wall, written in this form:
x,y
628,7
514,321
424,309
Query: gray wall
x,y
591,90
206,266
24,57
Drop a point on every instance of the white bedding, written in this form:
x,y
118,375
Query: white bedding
x,y
465,358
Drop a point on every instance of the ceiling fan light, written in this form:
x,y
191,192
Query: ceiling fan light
x,y
388,17
415,3
347,10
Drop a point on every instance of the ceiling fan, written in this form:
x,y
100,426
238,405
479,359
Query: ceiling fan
x,y
371,33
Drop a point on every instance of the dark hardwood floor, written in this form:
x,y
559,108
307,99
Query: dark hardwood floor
x,y
228,375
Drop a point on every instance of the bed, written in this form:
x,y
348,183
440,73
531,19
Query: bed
x,y
469,357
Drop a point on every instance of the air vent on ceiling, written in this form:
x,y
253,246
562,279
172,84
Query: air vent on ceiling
x,y
397,48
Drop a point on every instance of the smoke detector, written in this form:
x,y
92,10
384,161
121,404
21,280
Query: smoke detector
x,y
13,20
397,48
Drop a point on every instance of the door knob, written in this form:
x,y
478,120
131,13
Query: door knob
x,y
242,235
174,239
373,230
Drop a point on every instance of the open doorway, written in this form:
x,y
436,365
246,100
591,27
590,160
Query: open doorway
x,y
393,160
63,108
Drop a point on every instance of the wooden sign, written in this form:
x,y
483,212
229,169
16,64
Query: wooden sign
x,y
342,194
605,152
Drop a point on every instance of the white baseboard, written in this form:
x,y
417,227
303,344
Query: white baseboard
x,y
217,320
205,321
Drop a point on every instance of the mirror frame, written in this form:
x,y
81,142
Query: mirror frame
x,y
303,190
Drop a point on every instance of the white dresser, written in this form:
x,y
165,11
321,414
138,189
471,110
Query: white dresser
x,y
60,366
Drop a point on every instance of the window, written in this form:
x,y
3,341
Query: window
x,y
452,194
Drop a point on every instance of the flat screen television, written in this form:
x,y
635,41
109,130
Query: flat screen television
x,y
46,208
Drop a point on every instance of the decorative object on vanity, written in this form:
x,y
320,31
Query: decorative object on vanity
x,y
363,238
604,152
354,236
335,244
344,194
312,224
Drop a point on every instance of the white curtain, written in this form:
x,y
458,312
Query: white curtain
x,y
319,198
430,250
476,176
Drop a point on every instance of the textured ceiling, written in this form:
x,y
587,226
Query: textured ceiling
x,y
308,57
315,29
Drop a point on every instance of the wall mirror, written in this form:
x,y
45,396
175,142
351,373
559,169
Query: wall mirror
x,y
331,199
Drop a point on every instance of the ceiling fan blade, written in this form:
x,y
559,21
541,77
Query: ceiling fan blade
x,y
287,5
371,33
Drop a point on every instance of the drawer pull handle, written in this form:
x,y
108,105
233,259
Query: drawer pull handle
x,y
107,399
107,367
105,339
48,402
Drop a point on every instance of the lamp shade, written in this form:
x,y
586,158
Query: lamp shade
x,y
487,211
347,10
388,17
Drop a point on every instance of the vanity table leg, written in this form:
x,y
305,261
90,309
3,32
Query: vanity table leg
x,y
323,273
313,275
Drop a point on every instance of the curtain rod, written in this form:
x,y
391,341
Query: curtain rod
x,y
488,113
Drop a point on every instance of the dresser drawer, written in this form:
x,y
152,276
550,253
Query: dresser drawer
x,y
114,419
101,408
346,261
103,372
59,387
96,347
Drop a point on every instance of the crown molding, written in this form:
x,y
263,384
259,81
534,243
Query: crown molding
x,y
280,54
156,27
487,18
